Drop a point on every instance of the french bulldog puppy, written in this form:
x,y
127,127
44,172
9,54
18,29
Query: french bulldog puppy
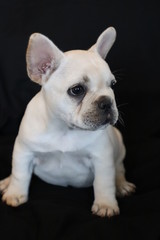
x,y
66,136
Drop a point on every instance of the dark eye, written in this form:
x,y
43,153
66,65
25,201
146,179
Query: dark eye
x,y
113,82
77,90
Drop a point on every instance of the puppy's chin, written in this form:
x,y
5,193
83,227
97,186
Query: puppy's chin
x,y
87,123
76,127
92,127
100,125
87,128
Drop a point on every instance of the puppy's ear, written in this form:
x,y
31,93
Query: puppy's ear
x,y
42,57
104,42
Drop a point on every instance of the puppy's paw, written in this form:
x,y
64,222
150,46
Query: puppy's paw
x,y
14,198
104,210
125,188
4,184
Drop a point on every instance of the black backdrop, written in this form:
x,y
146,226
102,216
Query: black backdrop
x,y
64,213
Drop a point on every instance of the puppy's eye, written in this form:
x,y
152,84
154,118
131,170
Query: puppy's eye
x,y
113,82
77,90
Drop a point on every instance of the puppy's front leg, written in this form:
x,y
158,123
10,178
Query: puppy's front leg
x,y
16,190
105,203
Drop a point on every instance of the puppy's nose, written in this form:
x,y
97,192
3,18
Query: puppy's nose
x,y
104,104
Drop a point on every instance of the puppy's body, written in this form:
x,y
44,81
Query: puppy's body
x,y
74,168
66,137
64,155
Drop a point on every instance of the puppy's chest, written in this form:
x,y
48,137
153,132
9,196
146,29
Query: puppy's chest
x,y
61,161
70,168
60,142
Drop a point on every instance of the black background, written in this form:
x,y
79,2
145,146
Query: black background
x,y
64,213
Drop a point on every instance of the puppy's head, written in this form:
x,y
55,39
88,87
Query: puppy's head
x,y
77,85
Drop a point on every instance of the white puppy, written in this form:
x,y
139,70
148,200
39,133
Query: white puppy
x,y
66,136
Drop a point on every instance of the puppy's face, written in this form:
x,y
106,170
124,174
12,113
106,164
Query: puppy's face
x,y
77,85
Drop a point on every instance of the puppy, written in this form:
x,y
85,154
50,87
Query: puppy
x,y
66,136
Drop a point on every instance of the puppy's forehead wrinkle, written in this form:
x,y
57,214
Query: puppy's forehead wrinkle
x,y
86,79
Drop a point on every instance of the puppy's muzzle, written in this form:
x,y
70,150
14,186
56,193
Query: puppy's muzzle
x,y
102,112
105,109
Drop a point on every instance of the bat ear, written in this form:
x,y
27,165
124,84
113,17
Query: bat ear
x,y
104,42
43,58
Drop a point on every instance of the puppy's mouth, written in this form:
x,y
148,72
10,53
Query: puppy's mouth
x,y
91,124
110,120
100,122
76,127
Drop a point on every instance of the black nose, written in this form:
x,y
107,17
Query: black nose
x,y
104,103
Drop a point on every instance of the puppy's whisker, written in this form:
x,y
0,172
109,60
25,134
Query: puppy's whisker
x,y
120,119
122,105
119,69
119,78
119,74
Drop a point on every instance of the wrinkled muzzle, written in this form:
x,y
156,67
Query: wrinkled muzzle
x,y
103,112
